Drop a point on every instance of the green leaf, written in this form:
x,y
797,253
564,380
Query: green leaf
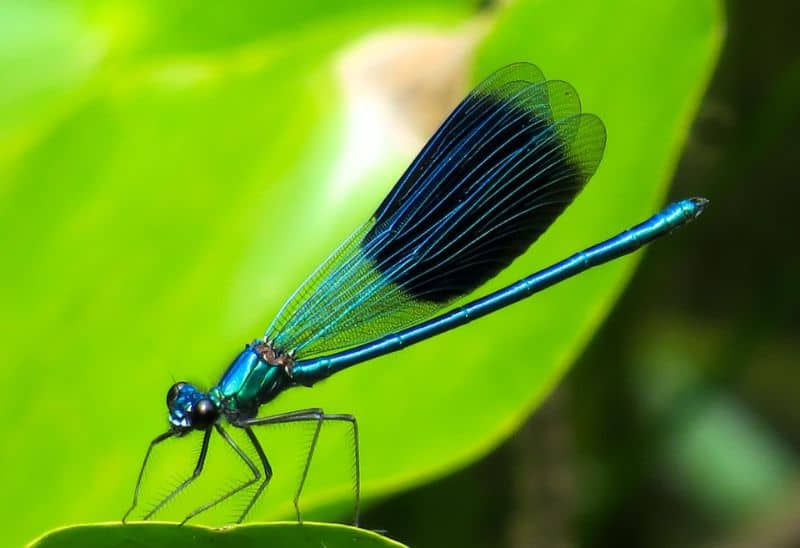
x,y
166,188
288,535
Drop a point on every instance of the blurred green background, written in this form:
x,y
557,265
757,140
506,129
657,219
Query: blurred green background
x,y
169,173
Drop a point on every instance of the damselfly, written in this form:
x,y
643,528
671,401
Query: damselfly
x,y
500,169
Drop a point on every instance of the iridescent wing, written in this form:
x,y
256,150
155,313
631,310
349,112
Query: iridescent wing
x,y
502,167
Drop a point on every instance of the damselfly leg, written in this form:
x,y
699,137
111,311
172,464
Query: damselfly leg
x,y
201,460
245,484
156,441
306,415
267,472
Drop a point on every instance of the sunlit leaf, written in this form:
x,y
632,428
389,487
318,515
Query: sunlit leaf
x,y
161,534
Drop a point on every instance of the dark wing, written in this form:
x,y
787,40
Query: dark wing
x,y
508,160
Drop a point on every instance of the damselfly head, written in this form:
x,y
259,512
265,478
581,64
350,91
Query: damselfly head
x,y
189,408
175,391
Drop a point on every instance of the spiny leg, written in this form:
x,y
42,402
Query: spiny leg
x,y
319,416
197,469
243,485
156,441
356,460
267,472
314,414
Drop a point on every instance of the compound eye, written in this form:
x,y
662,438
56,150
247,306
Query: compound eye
x,y
173,393
204,414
